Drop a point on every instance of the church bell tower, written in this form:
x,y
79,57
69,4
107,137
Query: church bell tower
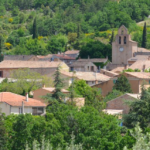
x,y
123,47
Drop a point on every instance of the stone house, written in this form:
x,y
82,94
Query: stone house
x,y
87,65
37,94
65,58
11,103
83,66
136,79
21,57
108,73
141,65
105,86
91,78
72,53
120,103
42,67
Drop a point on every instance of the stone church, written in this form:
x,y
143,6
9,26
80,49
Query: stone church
x,y
124,50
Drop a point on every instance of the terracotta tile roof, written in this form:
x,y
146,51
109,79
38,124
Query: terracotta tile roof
x,y
62,56
87,76
140,49
16,100
29,64
80,63
18,57
118,69
141,64
108,73
139,57
47,57
72,52
140,75
51,89
94,60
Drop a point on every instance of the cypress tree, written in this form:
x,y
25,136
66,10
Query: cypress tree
x,y
1,48
35,32
112,37
58,84
122,84
78,31
144,37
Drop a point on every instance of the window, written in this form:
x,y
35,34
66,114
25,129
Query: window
x,y
20,110
1,73
119,39
37,110
114,81
92,68
71,68
125,41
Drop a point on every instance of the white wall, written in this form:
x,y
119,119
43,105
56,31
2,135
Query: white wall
x,y
5,108
15,110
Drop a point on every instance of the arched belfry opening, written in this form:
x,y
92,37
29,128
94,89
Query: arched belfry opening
x,y
119,39
125,40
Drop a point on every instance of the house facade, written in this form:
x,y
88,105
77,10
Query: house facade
x,y
41,67
21,57
120,103
11,103
72,53
39,93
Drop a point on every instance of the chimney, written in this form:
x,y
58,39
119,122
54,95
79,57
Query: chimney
x,y
22,107
27,97
144,67
96,82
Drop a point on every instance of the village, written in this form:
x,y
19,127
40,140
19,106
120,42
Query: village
x,y
126,55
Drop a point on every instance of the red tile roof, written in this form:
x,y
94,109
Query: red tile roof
x,y
64,56
16,100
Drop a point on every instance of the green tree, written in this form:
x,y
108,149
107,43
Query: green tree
x,y
96,49
92,96
58,96
3,138
26,81
144,36
112,37
142,140
122,84
35,31
139,111
112,95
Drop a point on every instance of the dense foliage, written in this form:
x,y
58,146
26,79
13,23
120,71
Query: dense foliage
x,y
90,128
122,84
139,111
60,25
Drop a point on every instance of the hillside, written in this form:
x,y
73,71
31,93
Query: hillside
x,y
67,24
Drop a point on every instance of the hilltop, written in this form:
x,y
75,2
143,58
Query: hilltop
x,y
67,24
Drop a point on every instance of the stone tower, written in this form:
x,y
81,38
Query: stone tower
x,y
123,47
